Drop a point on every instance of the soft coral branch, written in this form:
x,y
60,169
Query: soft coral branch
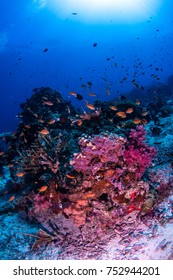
x,y
138,155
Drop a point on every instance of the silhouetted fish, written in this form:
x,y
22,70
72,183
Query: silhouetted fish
x,y
79,96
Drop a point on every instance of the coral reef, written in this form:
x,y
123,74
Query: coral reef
x,y
81,173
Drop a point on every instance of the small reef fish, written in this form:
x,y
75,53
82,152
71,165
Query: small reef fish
x,y
35,115
121,114
79,122
44,131
90,106
89,83
144,113
122,97
138,102
52,121
92,94
27,126
83,85
136,121
108,91
11,198
41,121
42,189
129,111
144,122
58,100
73,93
134,83
70,176
79,96
49,103
114,108
20,174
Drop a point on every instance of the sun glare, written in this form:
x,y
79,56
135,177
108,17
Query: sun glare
x,y
105,10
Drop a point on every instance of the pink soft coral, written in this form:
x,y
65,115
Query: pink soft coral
x,y
138,155
97,153
112,167
114,156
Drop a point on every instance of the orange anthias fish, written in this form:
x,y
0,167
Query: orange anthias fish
x,y
52,121
20,174
41,120
11,198
42,189
73,93
92,94
114,108
49,103
44,131
129,111
79,122
90,106
121,115
70,176
136,121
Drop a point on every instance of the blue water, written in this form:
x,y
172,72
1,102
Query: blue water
x,y
124,50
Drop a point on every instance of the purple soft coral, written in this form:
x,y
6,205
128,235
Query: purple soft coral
x,y
138,155
114,153
96,153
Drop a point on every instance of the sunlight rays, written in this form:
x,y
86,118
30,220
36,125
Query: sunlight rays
x,y
105,10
